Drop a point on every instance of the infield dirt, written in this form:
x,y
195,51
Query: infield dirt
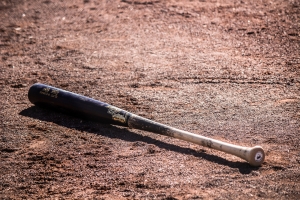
x,y
228,70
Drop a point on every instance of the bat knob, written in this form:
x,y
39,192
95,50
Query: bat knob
x,y
256,156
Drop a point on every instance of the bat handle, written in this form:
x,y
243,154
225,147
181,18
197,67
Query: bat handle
x,y
254,155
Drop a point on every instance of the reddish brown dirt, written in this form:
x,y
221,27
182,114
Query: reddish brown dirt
x,y
229,70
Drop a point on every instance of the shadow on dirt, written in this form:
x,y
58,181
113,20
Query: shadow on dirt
x,y
111,131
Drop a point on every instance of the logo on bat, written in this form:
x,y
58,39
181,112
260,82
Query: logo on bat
x,y
49,92
117,114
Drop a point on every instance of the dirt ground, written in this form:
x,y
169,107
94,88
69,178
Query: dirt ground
x,y
228,70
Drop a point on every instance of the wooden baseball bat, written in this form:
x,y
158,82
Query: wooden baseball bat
x,y
46,95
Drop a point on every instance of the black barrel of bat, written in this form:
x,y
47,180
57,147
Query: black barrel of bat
x,y
75,104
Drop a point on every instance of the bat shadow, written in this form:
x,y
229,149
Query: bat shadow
x,y
107,130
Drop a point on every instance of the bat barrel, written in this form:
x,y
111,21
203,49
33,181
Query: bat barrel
x,y
82,106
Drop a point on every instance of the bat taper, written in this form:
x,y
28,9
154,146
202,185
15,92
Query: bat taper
x,y
46,95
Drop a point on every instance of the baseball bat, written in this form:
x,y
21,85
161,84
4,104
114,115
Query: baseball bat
x,y
40,94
